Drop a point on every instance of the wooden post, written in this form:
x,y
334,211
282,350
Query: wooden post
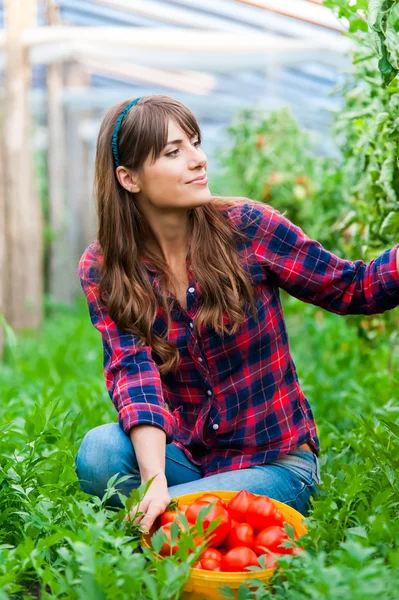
x,y
75,180
60,271
3,271
24,220
88,202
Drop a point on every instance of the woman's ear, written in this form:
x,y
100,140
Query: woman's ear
x,y
128,180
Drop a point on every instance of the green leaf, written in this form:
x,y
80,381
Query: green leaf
x,y
373,11
226,592
390,225
391,426
359,531
244,593
158,539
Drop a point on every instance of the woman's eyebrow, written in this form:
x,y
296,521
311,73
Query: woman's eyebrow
x,y
174,142
179,141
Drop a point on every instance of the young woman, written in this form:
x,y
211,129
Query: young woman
x,y
184,289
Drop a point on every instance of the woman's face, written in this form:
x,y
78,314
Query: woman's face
x,y
166,183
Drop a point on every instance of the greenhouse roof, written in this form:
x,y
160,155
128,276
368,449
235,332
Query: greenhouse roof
x,y
214,56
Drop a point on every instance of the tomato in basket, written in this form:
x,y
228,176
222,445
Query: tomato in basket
x,y
238,559
238,505
262,513
217,511
240,534
271,538
250,526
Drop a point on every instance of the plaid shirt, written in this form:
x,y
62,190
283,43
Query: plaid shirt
x,y
236,401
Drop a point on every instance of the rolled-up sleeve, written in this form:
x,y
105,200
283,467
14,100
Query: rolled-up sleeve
x,y
306,270
132,377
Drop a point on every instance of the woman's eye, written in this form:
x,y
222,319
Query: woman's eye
x,y
174,152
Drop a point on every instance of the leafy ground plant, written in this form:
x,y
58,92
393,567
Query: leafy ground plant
x,y
58,542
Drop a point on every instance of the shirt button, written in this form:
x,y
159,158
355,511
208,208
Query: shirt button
x,y
200,359
191,325
215,426
209,392
191,290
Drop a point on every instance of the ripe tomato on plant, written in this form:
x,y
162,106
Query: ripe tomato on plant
x,y
238,505
271,538
238,559
240,534
263,513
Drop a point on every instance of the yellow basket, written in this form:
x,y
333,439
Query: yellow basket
x,y
202,585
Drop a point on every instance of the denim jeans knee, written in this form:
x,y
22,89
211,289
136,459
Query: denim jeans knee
x,y
105,451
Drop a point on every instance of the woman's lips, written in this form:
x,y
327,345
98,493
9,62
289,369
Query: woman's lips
x,y
202,181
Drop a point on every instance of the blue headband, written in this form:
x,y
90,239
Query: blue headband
x,y
117,128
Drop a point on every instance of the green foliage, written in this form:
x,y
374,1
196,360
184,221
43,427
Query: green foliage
x,y
52,534
367,128
383,18
270,158
70,545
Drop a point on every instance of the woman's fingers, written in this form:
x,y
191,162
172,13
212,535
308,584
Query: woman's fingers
x,y
154,510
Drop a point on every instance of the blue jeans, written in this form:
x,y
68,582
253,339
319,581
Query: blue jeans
x,y
107,450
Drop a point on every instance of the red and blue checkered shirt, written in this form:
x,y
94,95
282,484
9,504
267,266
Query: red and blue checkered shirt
x,y
236,401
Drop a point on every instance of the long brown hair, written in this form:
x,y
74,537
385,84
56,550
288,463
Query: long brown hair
x,y
125,287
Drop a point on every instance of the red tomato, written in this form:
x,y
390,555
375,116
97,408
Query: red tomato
x,y
167,517
210,564
211,553
183,507
238,559
167,549
271,538
263,513
218,535
198,565
238,505
193,510
240,534
211,498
